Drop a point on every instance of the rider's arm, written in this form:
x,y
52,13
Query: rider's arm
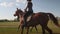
x,y
25,9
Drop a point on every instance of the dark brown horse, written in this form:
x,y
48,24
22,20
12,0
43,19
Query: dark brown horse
x,y
37,18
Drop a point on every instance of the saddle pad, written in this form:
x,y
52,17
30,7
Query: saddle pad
x,y
28,18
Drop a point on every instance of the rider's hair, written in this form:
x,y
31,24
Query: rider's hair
x,y
29,0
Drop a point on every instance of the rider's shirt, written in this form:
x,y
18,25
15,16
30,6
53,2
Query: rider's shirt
x,y
29,6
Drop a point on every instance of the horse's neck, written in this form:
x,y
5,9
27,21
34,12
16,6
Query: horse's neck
x,y
20,17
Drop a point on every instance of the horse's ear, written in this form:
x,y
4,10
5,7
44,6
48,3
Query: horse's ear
x,y
17,8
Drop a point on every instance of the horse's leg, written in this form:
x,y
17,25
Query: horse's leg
x,y
27,30
36,29
31,29
43,29
18,27
49,30
22,28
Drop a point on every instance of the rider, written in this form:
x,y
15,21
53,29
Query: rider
x,y
29,11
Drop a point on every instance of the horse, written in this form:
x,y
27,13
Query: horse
x,y
39,18
22,21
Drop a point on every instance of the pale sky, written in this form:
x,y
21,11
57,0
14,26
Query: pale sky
x,y
8,7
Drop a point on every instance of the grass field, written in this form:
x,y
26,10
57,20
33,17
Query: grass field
x,y
11,28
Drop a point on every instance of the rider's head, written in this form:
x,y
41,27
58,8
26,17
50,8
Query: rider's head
x,y
29,0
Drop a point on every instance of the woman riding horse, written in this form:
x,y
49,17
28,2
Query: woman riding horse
x,y
29,12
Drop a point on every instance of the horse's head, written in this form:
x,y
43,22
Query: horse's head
x,y
18,12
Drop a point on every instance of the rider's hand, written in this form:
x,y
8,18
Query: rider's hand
x,y
25,10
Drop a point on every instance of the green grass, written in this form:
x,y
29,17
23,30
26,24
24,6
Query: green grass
x,y
11,28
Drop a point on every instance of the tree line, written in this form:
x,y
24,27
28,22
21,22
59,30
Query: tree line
x,y
6,20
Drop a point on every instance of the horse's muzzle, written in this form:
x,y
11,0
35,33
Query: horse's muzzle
x,y
14,15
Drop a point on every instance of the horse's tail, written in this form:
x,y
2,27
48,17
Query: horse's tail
x,y
52,17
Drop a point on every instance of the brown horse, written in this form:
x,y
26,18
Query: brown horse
x,y
37,18
21,21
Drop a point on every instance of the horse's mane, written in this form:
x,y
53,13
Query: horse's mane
x,y
23,12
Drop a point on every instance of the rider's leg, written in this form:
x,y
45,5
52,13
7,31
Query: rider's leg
x,y
25,17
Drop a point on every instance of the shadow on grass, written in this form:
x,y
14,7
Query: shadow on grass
x,y
53,33
56,33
